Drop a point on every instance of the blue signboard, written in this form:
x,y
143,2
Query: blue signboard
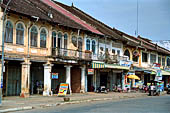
x,y
126,63
54,76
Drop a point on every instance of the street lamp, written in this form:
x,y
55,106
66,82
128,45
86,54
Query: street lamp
x,y
2,59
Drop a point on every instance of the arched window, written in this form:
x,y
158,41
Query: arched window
x,y
59,40
54,40
65,41
20,34
74,41
87,44
43,38
34,35
135,56
80,43
93,47
9,32
127,53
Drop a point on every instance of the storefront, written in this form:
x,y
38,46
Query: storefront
x,y
108,75
36,78
60,72
12,78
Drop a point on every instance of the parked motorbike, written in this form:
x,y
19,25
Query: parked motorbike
x,y
168,91
145,89
101,89
153,91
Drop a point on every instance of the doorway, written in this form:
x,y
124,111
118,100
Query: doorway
x,y
90,87
103,79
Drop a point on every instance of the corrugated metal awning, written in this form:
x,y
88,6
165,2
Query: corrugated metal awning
x,y
98,65
112,66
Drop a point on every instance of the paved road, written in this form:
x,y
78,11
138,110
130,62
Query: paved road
x,y
146,105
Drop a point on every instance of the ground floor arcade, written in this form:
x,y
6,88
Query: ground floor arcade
x,y
22,78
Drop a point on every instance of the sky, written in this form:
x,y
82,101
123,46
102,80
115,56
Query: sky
x,y
153,15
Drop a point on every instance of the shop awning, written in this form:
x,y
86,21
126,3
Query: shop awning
x,y
113,66
98,65
165,72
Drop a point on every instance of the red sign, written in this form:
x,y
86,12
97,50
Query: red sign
x,y
90,71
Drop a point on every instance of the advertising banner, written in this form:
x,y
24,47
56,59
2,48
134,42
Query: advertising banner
x,y
90,71
158,76
54,76
159,73
126,63
156,66
63,89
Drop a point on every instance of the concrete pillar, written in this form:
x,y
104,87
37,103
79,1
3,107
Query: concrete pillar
x,y
25,79
86,82
47,79
111,80
83,79
123,81
1,78
97,79
149,59
95,75
68,76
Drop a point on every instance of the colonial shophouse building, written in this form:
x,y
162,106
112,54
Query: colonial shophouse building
x,y
46,37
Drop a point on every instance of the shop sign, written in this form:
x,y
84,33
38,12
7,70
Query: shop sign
x,y
158,76
63,89
90,71
159,73
54,76
156,66
126,63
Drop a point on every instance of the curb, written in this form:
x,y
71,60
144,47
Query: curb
x,y
16,109
64,103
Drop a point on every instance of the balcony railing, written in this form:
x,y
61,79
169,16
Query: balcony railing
x,y
111,58
70,54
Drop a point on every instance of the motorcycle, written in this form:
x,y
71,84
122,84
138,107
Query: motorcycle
x,y
145,89
101,89
154,91
168,89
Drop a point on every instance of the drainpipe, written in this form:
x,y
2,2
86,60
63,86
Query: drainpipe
x,y
2,59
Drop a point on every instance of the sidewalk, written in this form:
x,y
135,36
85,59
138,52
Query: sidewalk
x,y
15,103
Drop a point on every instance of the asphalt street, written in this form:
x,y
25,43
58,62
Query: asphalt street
x,y
156,104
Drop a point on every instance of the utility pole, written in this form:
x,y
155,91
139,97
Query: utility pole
x,y
2,59
137,20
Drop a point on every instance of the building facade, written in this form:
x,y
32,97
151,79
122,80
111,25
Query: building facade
x,y
47,37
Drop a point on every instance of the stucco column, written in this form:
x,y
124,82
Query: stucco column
x,y
68,76
47,79
1,78
149,59
123,81
111,80
25,79
83,79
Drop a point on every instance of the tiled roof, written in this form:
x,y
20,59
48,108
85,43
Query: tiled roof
x,y
151,46
103,28
71,16
39,9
